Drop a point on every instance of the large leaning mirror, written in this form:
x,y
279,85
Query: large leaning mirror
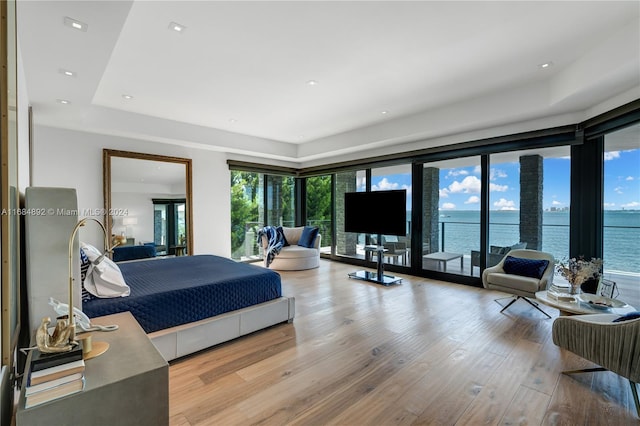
x,y
148,202
9,192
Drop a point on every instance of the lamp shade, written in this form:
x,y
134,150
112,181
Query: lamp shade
x,y
130,221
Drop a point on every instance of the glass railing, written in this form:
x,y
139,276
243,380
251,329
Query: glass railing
x,y
621,243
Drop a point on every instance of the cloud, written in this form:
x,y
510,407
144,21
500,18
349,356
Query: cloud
x,y
448,206
477,169
385,185
498,188
618,190
557,203
629,178
631,205
611,155
504,204
474,199
468,185
455,173
605,205
496,174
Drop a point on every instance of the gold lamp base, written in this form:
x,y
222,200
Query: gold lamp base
x,y
98,348
91,349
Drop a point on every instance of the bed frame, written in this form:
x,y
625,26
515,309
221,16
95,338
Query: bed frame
x,y
47,239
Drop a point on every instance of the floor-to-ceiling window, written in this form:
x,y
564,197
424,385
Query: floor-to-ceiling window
x,y
529,200
280,200
319,207
451,215
397,248
258,200
621,219
246,218
542,197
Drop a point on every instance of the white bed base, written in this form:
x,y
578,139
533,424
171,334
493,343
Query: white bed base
x,y
185,339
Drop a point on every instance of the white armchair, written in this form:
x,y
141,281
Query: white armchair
x,y
511,281
294,257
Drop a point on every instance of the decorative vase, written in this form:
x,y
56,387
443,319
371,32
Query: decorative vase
x,y
574,289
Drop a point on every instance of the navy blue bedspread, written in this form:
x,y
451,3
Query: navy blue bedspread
x,y
179,290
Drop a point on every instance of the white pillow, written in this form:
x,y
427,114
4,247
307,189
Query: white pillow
x,y
104,279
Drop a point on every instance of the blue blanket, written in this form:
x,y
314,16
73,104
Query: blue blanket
x,y
275,242
179,290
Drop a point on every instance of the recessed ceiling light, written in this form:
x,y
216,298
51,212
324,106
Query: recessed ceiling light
x,y
233,120
177,27
546,65
63,101
384,112
312,83
127,97
67,72
75,24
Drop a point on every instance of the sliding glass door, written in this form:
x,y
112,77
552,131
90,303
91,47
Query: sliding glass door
x,y
319,208
397,248
247,204
529,200
451,215
621,218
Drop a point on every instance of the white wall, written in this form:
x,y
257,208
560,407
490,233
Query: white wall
x,y
73,159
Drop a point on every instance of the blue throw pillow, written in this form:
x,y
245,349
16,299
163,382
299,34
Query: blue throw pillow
x,y
627,317
533,268
308,237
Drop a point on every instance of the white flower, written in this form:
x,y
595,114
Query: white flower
x,y
577,271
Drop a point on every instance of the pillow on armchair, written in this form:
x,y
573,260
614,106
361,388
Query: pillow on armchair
x,y
533,268
308,237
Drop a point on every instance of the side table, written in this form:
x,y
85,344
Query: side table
x,y
127,385
442,258
578,308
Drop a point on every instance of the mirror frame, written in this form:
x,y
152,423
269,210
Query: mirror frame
x,y
10,296
108,154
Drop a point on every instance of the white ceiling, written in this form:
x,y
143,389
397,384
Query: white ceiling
x,y
236,79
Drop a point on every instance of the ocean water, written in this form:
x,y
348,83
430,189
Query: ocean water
x,y
621,234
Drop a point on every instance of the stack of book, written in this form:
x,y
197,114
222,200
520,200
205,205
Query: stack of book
x,y
560,292
54,375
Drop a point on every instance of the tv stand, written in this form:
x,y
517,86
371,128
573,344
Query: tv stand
x,y
376,277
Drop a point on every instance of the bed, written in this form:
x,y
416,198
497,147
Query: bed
x,y
175,300
172,298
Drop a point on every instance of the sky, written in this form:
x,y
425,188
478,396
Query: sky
x,y
460,187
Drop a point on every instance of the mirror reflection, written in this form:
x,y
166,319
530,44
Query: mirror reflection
x,y
149,201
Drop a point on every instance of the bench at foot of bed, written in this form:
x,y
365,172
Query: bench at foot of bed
x,y
185,339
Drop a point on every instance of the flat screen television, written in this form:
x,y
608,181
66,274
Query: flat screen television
x,y
376,212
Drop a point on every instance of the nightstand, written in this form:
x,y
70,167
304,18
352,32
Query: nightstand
x,y
127,385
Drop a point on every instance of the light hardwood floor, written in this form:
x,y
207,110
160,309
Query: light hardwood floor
x,y
422,352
